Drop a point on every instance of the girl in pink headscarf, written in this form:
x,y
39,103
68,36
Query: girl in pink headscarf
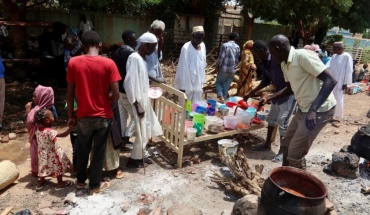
x,y
43,97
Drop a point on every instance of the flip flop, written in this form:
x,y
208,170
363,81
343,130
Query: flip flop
x,y
120,175
80,185
103,186
38,188
66,185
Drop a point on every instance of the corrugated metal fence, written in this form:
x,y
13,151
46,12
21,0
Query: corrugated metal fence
x,y
109,26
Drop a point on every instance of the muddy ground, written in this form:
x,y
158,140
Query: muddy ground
x,y
163,185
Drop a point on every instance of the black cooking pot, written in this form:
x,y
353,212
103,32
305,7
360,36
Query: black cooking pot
x,y
360,143
289,191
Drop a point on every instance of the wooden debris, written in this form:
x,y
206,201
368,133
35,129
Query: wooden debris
x,y
246,180
7,211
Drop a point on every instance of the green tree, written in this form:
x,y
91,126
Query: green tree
x,y
357,19
307,16
252,10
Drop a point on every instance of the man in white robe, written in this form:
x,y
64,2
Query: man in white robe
x,y
190,73
136,85
341,67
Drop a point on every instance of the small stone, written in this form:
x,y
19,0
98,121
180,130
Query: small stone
x,y
142,211
191,170
328,169
355,121
125,206
5,139
12,136
336,132
248,205
183,210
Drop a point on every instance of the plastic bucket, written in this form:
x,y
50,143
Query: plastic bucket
x,y
201,110
210,120
212,102
199,128
202,104
252,111
194,106
244,117
232,147
231,104
188,124
199,118
230,122
191,133
211,111
262,115
234,99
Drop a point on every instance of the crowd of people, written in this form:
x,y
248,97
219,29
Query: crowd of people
x,y
104,116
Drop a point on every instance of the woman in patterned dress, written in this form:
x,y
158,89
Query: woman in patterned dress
x,y
52,159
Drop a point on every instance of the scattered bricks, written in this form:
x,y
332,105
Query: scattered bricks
x,y
5,139
12,136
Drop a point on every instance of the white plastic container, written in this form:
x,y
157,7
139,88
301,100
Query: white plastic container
x,y
244,117
191,133
230,122
210,120
232,147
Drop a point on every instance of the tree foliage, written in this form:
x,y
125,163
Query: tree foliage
x,y
307,16
357,19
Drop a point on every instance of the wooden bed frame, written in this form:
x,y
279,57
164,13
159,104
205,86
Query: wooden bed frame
x,y
170,114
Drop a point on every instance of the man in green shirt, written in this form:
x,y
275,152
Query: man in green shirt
x,y
312,85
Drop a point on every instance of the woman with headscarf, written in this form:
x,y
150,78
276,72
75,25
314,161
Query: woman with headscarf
x,y
247,67
43,97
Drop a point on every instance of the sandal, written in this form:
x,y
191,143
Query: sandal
x,y
40,187
120,174
103,186
80,185
260,147
66,185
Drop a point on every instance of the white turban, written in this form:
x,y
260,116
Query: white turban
x,y
198,29
148,38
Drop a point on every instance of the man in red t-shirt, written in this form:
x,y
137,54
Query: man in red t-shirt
x,y
91,76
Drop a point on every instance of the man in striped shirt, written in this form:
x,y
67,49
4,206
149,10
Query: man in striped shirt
x,y
281,109
227,61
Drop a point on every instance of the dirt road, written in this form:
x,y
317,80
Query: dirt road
x,y
164,186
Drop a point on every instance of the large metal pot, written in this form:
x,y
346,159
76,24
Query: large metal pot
x,y
360,142
289,191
